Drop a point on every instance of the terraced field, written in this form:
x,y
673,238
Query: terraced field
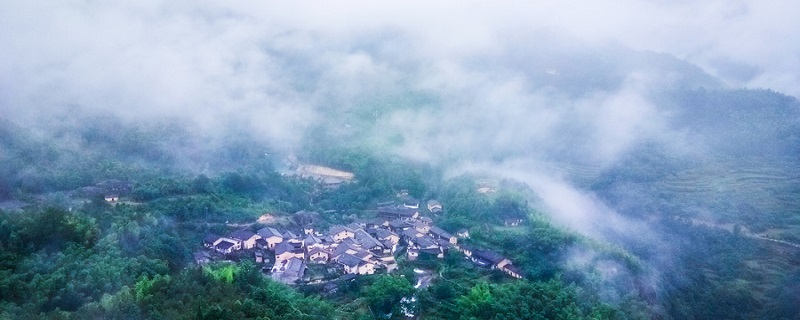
x,y
764,195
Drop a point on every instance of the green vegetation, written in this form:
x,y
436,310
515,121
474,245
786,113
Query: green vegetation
x,y
65,253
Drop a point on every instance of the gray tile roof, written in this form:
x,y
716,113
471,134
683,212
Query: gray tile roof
x,y
268,232
349,260
242,235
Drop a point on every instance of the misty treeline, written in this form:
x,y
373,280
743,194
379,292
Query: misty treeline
x,y
69,254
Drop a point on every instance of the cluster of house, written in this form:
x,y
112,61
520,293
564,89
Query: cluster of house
x,y
362,247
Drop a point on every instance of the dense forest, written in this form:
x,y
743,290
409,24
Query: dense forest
x,y
68,253
629,168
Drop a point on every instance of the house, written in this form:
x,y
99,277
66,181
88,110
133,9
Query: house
x,y
411,204
291,237
211,240
261,243
432,252
345,247
426,220
368,242
221,244
355,265
288,271
378,222
410,235
402,212
271,235
247,238
226,246
441,234
202,257
444,245
318,255
386,235
495,260
313,241
112,198
467,250
425,242
421,227
434,206
389,247
339,233
462,233
512,271
287,250
355,226
398,225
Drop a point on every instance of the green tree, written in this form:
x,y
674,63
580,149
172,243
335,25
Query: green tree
x,y
385,294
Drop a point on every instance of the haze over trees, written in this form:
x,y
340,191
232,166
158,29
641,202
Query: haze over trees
x,y
652,174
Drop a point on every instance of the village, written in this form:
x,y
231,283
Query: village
x,y
365,246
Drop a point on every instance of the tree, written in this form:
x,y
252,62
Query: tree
x,y
385,294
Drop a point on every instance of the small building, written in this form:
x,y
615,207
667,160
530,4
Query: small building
x,y
259,257
355,265
467,250
271,235
431,252
411,204
318,256
402,212
291,237
368,242
221,244
421,227
495,260
226,246
410,235
211,240
339,233
247,238
288,271
441,234
287,250
512,271
398,225
314,241
202,257
386,235
426,220
462,233
262,244
434,206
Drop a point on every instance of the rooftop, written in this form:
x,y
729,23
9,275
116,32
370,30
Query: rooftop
x,y
268,232
242,234
349,260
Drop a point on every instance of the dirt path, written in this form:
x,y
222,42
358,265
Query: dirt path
x,y
744,231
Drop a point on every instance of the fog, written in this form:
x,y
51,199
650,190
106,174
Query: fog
x,y
513,89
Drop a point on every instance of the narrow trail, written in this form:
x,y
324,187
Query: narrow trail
x,y
776,240
744,232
